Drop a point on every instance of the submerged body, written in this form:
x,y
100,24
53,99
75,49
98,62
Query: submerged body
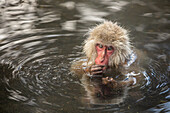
x,y
110,66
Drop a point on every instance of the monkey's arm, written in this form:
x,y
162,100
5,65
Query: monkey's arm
x,y
77,68
80,68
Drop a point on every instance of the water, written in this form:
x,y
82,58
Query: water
x,y
39,39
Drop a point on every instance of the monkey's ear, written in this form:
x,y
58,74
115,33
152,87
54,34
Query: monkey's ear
x,y
120,55
89,49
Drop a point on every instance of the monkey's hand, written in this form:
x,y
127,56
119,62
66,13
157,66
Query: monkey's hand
x,y
97,70
110,82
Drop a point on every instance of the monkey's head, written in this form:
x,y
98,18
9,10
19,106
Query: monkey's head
x,y
107,44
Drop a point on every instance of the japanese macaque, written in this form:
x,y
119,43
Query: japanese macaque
x,y
109,67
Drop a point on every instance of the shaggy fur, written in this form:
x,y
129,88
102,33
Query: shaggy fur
x,y
108,33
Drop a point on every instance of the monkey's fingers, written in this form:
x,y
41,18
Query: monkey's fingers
x,y
97,72
105,80
112,81
93,69
98,66
108,81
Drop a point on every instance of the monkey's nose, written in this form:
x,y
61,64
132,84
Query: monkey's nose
x,y
103,56
102,59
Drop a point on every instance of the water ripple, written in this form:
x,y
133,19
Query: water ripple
x,y
40,39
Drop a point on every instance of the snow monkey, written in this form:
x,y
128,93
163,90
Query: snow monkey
x,y
110,65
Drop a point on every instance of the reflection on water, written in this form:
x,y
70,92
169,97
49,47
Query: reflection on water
x,y
40,38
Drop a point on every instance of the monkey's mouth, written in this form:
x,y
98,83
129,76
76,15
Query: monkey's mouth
x,y
105,67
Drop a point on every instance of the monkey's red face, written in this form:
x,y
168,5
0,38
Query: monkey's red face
x,y
103,54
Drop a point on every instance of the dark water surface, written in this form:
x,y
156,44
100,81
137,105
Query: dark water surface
x,y
40,38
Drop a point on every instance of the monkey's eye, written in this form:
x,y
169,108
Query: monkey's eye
x,y
100,45
110,48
